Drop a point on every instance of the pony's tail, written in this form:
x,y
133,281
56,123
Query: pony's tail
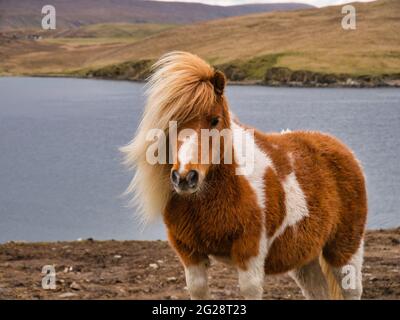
x,y
335,292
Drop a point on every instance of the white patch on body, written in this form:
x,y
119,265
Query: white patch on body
x,y
295,200
295,203
251,280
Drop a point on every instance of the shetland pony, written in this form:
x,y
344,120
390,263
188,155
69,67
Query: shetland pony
x,y
301,210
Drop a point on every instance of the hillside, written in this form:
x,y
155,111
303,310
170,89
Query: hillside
x,y
310,39
246,47
133,31
24,14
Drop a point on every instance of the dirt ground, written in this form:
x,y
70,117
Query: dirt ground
x,y
150,270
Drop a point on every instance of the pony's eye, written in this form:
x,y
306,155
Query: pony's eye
x,y
214,121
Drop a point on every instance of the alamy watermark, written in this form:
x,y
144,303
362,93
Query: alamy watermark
x,y
349,20
349,280
49,280
195,148
49,20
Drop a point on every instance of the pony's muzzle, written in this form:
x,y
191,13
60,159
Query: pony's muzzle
x,y
185,183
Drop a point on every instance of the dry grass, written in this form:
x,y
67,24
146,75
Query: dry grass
x,y
116,30
306,39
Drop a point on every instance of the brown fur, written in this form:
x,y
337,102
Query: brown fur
x,y
334,187
331,180
199,226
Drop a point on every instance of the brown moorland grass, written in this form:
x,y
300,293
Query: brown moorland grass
x,y
300,40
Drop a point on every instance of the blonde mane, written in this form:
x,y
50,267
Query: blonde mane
x,y
178,90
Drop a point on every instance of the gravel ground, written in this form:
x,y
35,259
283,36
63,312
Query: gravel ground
x,y
150,270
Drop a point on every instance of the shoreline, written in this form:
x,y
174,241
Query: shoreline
x,y
260,83
93,239
110,269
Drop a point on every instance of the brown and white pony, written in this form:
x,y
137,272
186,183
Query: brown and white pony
x,y
301,210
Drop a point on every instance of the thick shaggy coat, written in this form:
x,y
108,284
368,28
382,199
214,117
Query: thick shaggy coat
x,y
303,206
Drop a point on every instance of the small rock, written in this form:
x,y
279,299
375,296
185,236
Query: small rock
x,y
117,256
75,286
171,279
160,261
153,266
68,269
68,295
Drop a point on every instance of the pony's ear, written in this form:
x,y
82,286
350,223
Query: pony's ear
x,y
218,81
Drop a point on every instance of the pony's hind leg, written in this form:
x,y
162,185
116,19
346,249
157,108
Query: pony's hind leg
x,y
311,281
349,276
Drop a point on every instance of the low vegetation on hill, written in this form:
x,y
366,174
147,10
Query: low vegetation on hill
x,y
304,47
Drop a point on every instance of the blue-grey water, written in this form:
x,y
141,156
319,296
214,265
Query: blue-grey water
x,y
60,171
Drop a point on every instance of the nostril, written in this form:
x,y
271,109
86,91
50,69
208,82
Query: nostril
x,y
175,177
192,178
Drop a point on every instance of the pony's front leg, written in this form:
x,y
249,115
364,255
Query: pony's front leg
x,y
195,265
196,280
251,281
251,274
